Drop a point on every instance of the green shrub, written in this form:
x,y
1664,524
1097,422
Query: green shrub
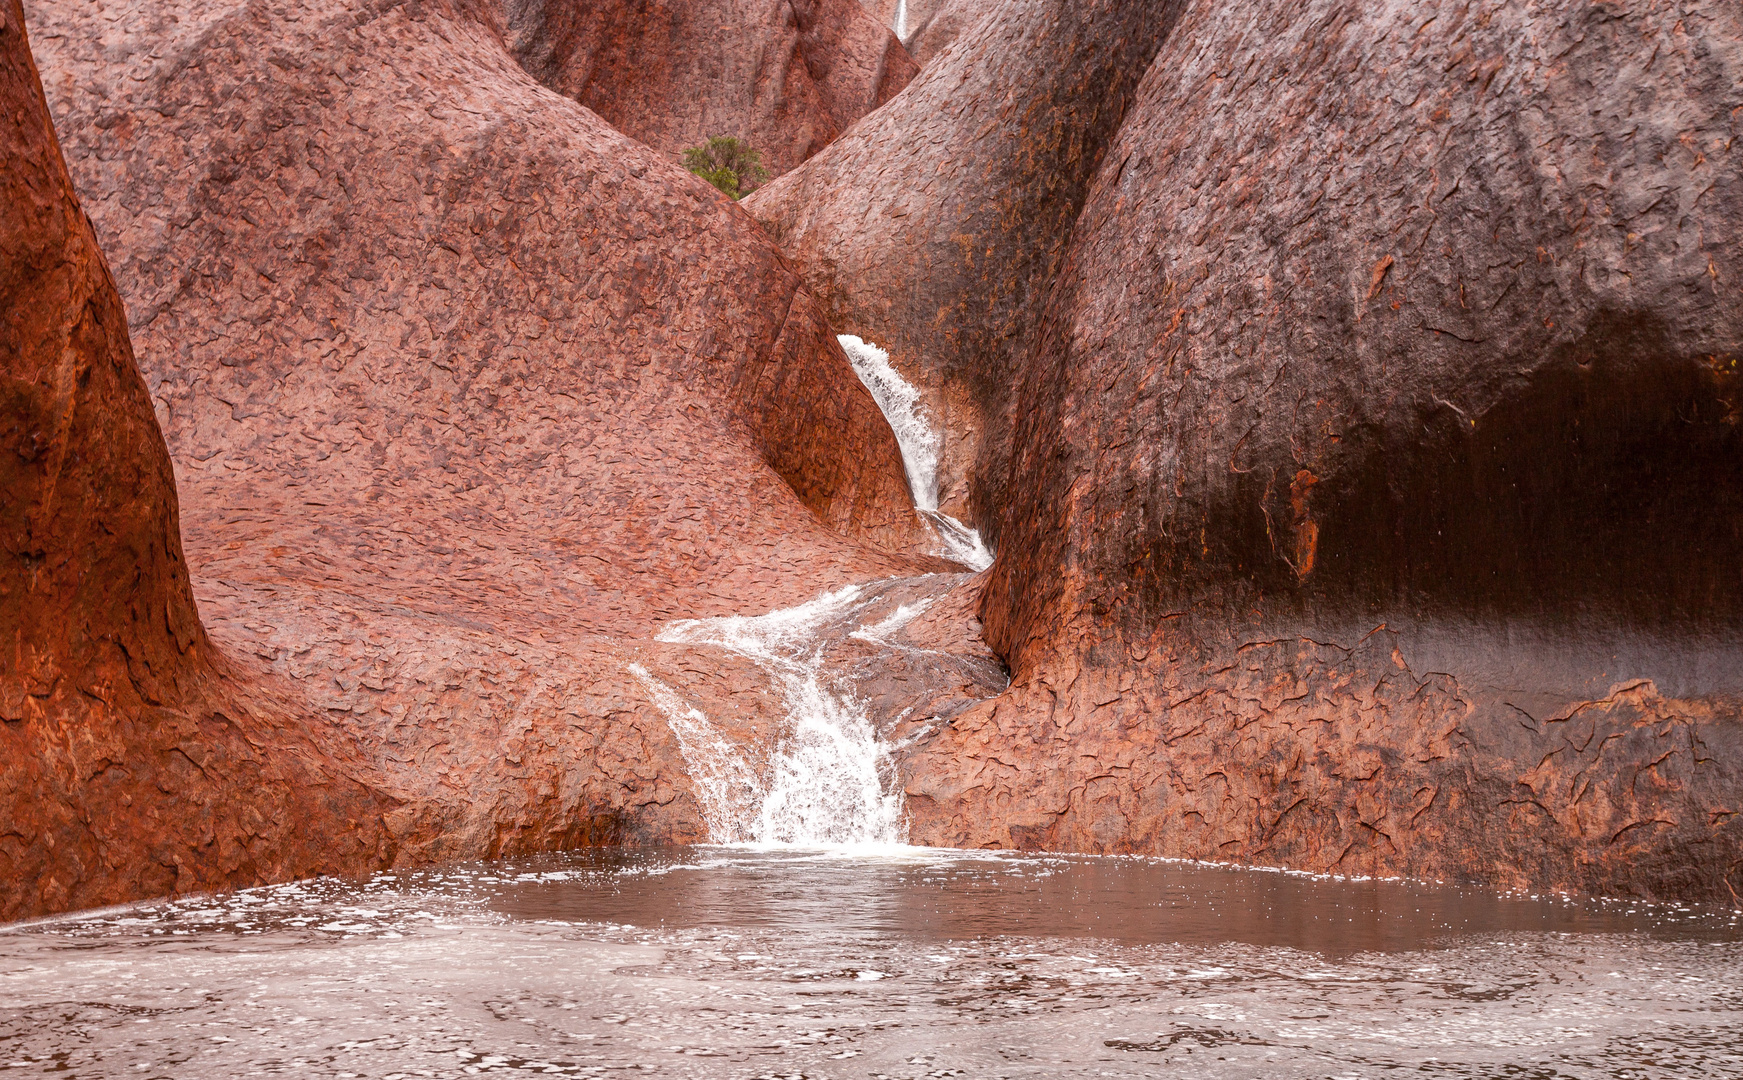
x,y
729,164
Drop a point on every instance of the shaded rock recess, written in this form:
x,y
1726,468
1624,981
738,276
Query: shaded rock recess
x,y
1376,502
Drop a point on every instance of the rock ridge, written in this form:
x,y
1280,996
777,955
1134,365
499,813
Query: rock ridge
x,y
134,757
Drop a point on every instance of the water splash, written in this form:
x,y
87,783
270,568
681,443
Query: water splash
x,y
961,543
879,632
831,780
730,789
920,444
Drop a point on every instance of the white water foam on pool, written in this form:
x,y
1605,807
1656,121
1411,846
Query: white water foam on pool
x,y
920,444
830,781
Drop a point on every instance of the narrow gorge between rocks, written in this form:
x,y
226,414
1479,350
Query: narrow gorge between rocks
x,y
871,538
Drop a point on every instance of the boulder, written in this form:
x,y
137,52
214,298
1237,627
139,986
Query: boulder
x,y
935,226
134,758
467,393
789,76
1378,502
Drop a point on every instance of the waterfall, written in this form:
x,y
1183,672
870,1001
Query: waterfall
x,y
901,26
730,790
830,779
920,445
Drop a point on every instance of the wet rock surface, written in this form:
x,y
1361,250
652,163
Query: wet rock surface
x,y
786,76
934,227
134,758
925,26
1376,502
935,26
464,390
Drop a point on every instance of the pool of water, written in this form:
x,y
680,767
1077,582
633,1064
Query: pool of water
x,y
902,962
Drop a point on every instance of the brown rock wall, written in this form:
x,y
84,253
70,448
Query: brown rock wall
x,y
1357,414
787,75
134,759
1375,507
466,391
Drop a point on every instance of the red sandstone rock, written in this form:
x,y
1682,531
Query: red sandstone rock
x,y
788,75
467,393
935,226
1378,501
931,27
924,27
133,758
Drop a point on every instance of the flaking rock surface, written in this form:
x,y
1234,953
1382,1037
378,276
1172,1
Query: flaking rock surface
x,y
1378,504
466,393
134,759
787,75
931,26
934,228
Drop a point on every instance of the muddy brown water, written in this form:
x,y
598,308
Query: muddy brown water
x,y
894,962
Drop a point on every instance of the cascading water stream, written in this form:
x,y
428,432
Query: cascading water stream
x,y
830,780
920,444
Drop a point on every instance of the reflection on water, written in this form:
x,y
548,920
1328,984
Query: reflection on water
x,y
722,962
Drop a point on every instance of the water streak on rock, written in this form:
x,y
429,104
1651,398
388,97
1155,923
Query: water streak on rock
x,y
729,787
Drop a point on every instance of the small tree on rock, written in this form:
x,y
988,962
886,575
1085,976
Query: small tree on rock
x,y
729,164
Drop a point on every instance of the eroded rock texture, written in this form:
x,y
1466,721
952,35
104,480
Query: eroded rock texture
x,y
788,75
467,393
935,227
1378,505
924,27
931,27
133,758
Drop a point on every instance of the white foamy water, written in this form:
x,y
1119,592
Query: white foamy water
x,y
878,633
728,785
919,441
901,405
830,780
961,543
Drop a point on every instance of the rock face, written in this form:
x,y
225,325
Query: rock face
x,y
924,27
931,28
788,75
1357,414
1378,504
467,393
935,227
133,758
